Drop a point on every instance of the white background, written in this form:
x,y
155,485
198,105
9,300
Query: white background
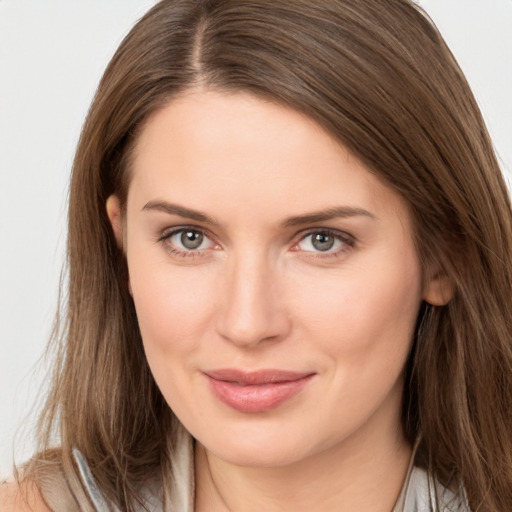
x,y
52,54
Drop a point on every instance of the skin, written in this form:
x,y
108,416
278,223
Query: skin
x,y
23,497
257,293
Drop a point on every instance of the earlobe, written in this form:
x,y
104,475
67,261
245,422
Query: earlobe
x,y
113,207
439,290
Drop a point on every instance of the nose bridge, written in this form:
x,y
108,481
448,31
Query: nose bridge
x,y
251,308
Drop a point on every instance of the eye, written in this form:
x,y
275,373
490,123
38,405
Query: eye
x,y
187,240
324,241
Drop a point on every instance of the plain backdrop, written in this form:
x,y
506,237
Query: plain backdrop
x,y
52,54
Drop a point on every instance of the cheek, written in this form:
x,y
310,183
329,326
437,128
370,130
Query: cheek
x,y
174,309
173,305
369,307
363,324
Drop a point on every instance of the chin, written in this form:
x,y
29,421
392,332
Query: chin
x,y
261,446
268,456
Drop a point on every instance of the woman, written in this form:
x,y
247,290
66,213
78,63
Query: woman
x,y
289,258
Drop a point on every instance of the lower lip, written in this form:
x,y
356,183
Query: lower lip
x,y
256,397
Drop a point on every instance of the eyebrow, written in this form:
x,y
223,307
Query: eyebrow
x,y
181,211
328,214
308,218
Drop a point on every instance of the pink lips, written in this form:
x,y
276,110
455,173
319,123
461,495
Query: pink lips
x,y
257,391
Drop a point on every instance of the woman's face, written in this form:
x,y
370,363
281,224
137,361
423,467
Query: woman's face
x,y
275,279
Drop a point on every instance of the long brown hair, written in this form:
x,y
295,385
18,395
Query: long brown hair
x,y
377,75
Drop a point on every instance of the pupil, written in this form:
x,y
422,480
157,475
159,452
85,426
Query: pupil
x,y
191,239
322,242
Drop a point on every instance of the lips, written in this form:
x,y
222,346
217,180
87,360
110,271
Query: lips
x,y
258,391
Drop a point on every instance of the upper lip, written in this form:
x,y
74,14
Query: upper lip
x,y
248,378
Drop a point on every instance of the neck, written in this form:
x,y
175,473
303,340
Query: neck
x,y
363,473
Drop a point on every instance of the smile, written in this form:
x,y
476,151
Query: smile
x,y
258,391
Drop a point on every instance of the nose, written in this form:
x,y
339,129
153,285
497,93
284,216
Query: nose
x,y
251,308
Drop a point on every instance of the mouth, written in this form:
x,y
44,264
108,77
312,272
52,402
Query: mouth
x,y
257,391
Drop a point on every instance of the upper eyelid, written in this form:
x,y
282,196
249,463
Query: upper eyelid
x,y
164,238
165,235
336,232
297,237
168,232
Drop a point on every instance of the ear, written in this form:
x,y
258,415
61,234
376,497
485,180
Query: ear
x,y
113,207
439,290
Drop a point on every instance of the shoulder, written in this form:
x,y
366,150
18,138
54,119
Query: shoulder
x,y
425,493
40,486
21,497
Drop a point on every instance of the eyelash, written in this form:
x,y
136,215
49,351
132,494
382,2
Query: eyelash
x,y
347,240
168,234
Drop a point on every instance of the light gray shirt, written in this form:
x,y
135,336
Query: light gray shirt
x,y
418,493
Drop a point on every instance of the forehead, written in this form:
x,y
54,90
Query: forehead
x,y
239,153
